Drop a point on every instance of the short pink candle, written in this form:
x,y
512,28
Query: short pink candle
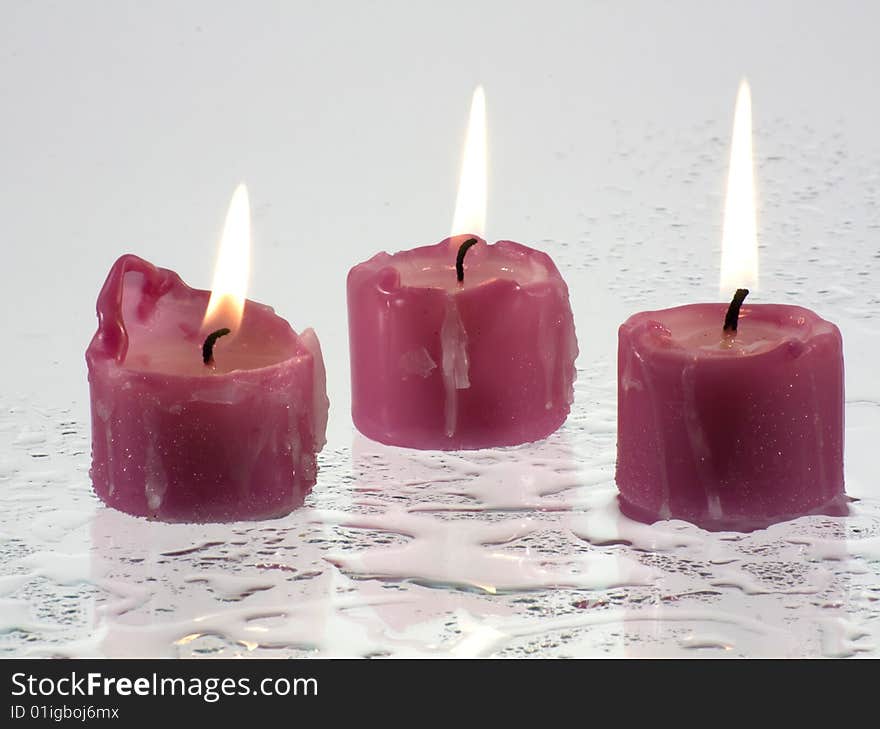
x,y
438,363
175,439
730,430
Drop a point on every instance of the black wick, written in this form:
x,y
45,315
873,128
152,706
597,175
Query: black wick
x,y
210,341
732,319
459,260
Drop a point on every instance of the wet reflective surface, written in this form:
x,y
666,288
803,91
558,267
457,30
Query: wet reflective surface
x,y
515,552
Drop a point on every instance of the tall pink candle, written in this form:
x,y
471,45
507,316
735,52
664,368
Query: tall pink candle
x,y
730,431
439,363
175,439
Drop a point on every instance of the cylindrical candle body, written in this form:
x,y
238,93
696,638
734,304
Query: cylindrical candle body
x,y
730,431
442,364
176,440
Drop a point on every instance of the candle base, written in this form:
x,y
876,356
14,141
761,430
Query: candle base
x,y
221,509
837,506
503,435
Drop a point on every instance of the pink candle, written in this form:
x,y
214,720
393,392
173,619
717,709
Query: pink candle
x,y
443,363
730,430
177,439
731,416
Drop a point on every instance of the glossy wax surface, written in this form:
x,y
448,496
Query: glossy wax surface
x,y
730,431
442,364
176,440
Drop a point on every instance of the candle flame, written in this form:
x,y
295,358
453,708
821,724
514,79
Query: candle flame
x,y
739,242
229,289
470,205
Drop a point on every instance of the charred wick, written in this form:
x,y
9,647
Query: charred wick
x,y
731,321
459,259
210,341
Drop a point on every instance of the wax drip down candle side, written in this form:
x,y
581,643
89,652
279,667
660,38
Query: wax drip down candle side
x,y
442,363
731,416
461,345
197,423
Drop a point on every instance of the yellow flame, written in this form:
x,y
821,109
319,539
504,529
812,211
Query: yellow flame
x,y
470,206
739,242
229,289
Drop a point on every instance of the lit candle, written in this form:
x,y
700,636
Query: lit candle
x,y
205,406
461,344
731,415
